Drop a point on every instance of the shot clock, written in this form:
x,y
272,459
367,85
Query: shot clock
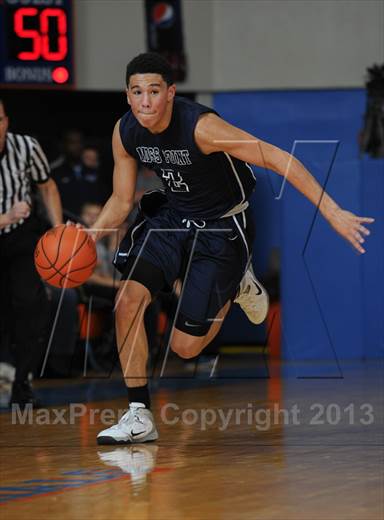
x,y
36,43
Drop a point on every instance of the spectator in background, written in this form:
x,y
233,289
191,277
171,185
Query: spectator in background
x,y
102,283
77,174
72,146
90,158
372,135
92,173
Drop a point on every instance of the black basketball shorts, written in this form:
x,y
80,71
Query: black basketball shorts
x,y
208,256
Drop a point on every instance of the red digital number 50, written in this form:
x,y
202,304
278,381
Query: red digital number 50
x,y
40,38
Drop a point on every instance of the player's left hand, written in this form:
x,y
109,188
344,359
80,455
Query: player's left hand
x,y
350,227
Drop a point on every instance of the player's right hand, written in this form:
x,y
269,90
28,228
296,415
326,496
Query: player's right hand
x,y
90,232
18,211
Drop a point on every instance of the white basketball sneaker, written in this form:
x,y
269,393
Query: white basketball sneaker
x,y
136,426
252,297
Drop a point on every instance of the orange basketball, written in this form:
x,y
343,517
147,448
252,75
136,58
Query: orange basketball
x,y
65,256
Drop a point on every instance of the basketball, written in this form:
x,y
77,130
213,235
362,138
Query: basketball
x,y
65,256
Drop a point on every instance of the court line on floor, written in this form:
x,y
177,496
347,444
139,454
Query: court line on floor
x,y
35,493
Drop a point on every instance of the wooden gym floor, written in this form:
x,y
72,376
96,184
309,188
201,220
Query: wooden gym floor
x,y
289,443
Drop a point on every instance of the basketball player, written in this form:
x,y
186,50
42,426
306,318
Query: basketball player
x,y
23,164
199,230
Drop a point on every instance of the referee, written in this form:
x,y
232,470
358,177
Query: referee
x,y
22,164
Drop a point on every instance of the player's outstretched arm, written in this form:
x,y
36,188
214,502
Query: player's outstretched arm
x,y
121,202
213,134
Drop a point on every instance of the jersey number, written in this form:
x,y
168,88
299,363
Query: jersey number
x,y
174,180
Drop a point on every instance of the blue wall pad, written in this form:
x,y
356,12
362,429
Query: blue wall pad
x,y
329,308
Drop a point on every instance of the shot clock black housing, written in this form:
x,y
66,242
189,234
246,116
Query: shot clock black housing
x,y
36,43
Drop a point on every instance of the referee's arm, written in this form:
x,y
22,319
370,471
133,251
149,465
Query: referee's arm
x,y
52,202
47,186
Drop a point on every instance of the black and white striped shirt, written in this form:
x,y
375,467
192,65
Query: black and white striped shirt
x,y
22,162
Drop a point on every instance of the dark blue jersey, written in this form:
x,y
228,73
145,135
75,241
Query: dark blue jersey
x,y
197,185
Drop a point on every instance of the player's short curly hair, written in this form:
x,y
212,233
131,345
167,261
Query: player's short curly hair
x,y
150,63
